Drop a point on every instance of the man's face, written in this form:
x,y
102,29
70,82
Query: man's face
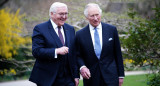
x,y
60,16
94,16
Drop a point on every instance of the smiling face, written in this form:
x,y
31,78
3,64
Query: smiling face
x,y
60,16
94,16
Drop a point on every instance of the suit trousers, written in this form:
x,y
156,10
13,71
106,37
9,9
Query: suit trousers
x,y
64,81
64,76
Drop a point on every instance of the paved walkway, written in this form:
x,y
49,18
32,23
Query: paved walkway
x,y
28,83
18,83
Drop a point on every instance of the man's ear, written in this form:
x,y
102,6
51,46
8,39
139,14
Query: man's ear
x,y
87,18
51,13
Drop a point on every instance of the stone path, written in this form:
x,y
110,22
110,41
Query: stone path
x,y
28,83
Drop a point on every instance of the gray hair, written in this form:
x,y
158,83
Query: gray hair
x,y
54,7
91,5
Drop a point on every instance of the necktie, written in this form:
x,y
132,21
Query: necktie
x,y
97,45
60,35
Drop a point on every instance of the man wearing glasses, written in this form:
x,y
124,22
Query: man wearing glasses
x,y
53,48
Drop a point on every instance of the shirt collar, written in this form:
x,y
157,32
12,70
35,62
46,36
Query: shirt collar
x,y
98,27
53,24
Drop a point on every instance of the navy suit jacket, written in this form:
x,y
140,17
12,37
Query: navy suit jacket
x,y
44,42
110,63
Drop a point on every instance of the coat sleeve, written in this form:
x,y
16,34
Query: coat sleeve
x,y
117,50
75,66
78,52
39,50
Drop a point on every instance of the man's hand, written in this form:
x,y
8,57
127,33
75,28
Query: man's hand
x,y
120,81
62,50
85,73
76,80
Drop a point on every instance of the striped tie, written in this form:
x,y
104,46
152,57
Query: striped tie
x,y
60,35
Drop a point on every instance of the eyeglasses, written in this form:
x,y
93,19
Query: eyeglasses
x,y
63,14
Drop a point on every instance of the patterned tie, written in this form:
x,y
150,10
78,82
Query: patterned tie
x,y
60,35
97,45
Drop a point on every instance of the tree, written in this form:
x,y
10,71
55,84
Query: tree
x,y
142,42
11,39
12,43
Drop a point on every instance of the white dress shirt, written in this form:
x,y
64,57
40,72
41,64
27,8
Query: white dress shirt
x,y
55,27
92,30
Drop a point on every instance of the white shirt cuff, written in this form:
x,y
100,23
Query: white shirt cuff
x,y
121,77
55,54
82,67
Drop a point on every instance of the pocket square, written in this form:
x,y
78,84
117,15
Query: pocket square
x,y
110,39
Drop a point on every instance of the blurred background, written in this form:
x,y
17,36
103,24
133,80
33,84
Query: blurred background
x,y
137,21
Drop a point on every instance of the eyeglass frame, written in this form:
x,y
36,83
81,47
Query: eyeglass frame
x,y
62,14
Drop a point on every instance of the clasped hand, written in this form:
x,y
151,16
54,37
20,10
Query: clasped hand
x,y
85,73
62,50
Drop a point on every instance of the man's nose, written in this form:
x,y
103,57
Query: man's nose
x,y
95,17
64,16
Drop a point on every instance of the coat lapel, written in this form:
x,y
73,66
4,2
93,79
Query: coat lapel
x,y
89,41
54,35
105,36
67,35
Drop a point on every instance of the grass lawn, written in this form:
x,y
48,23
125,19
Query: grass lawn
x,y
132,80
135,80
